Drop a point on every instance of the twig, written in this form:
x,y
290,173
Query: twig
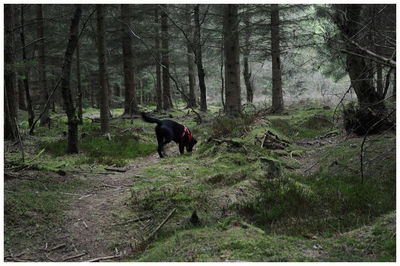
x,y
143,218
161,224
75,256
85,224
58,246
104,258
85,196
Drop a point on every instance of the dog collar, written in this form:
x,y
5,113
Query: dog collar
x,y
186,130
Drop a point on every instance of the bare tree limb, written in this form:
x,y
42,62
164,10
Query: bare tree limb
x,y
388,61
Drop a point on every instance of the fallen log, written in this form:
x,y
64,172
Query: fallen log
x,y
120,170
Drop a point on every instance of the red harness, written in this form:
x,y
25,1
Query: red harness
x,y
186,130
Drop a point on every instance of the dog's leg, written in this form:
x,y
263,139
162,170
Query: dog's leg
x,y
181,147
160,148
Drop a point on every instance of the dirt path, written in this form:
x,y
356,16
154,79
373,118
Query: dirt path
x,y
91,222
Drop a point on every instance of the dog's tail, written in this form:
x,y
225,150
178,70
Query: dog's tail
x,y
149,119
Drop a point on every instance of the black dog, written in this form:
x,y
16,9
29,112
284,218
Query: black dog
x,y
167,130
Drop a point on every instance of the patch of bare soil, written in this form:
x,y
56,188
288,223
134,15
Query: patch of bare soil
x,y
93,224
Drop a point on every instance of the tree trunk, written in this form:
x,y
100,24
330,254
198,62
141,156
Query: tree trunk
x,y
167,101
117,90
394,85
65,83
10,106
198,59
129,78
232,60
158,67
356,65
277,98
246,53
78,77
104,107
21,95
44,120
222,77
31,114
190,63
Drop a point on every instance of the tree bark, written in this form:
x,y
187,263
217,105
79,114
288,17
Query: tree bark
x,y
246,53
357,66
198,59
129,75
104,107
65,82
277,97
31,114
21,95
79,91
167,101
158,67
10,105
394,85
44,120
190,63
232,60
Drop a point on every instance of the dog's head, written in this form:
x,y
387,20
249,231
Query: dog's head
x,y
190,145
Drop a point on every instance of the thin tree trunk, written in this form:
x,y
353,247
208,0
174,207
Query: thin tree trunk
x,y
65,83
246,53
104,108
129,75
10,107
190,63
78,77
222,77
394,84
31,114
277,97
44,120
21,95
199,61
167,101
232,60
158,67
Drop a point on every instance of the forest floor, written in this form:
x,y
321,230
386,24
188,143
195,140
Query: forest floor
x,y
302,201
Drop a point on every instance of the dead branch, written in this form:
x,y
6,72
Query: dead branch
x,y
161,224
58,246
75,256
143,218
104,258
119,170
388,61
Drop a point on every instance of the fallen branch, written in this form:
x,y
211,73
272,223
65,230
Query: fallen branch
x,y
58,246
104,258
75,256
119,170
161,225
143,218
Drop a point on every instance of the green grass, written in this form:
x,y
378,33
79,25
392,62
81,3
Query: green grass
x,y
34,207
103,151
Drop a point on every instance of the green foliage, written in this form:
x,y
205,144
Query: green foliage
x,y
103,151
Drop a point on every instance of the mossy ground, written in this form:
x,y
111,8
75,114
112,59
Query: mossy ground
x,y
246,213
